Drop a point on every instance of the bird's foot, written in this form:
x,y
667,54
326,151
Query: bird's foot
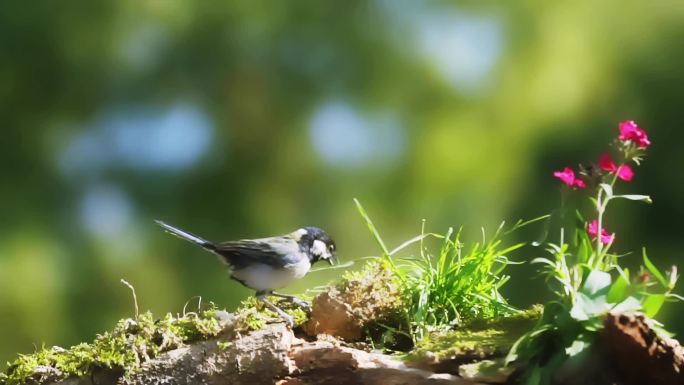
x,y
288,320
286,317
301,303
294,300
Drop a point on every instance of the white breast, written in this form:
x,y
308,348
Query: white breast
x,y
264,277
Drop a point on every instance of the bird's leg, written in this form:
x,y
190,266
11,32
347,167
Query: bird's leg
x,y
299,302
261,296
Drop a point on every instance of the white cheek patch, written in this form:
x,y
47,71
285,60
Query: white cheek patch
x,y
320,249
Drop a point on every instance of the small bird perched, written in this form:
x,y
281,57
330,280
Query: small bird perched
x,y
267,264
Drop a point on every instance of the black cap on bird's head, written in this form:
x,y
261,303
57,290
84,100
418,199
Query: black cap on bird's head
x,y
317,244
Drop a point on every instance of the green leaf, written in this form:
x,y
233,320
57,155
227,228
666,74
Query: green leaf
x,y
673,277
513,354
577,347
551,310
634,197
618,290
596,281
653,303
551,368
577,312
593,325
675,296
586,307
661,331
629,304
595,202
585,248
535,376
544,261
654,270
607,188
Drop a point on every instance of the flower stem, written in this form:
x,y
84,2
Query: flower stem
x,y
600,208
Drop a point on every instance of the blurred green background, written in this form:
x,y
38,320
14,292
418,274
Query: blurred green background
x,y
247,118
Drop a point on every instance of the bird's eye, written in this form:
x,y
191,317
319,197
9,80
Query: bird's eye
x,y
331,247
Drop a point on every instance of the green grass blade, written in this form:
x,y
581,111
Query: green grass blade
x,y
520,224
654,270
411,241
371,227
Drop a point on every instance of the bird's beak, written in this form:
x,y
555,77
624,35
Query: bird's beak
x,y
333,260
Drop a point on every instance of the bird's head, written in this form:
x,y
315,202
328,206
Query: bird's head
x,y
317,244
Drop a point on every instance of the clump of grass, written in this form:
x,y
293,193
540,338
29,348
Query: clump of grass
x,y
453,285
132,342
458,284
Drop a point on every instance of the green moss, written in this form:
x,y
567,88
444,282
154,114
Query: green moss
x,y
132,342
224,345
252,314
486,371
460,343
375,296
478,339
375,308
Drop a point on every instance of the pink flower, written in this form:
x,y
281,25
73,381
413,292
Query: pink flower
x,y
606,163
567,175
624,172
592,229
629,131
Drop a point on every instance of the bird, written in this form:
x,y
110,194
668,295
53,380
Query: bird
x,y
267,264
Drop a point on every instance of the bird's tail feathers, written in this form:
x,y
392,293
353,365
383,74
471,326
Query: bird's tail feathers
x,y
187,236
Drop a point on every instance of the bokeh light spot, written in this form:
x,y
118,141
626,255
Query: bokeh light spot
x,y
106,211
464,48
344,138
146,139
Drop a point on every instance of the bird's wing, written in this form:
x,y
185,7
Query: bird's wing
x,y
277,252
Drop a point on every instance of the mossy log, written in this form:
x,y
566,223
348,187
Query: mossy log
x,y
331,346
278,355
275,355
271,355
